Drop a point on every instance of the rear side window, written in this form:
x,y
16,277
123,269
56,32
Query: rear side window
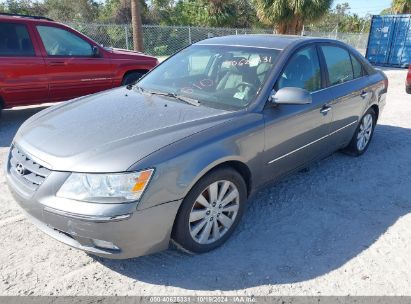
x,y
59,42
302,71
338,64
15,40
357,67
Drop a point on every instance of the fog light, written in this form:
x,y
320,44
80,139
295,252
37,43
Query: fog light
x,y
105,244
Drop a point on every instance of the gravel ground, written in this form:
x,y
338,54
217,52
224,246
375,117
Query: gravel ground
x,y
341,228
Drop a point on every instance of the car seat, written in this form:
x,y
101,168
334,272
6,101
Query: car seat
x,y
297,73
262,71
236,74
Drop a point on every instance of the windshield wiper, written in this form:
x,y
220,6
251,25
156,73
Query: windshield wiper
x,y
185,99
188,100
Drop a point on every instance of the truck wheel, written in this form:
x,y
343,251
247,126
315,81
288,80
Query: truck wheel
x,y
210,212
131,78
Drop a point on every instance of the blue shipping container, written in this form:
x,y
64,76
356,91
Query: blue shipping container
x,y
389,43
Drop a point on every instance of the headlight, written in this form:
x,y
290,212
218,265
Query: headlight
x,y
106,188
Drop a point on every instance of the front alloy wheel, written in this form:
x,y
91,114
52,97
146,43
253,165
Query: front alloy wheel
x,y
211,211
214,211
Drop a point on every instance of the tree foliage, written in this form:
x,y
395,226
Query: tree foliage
x,y
401,6
289,16
119,11
285,16
23,7
79,10
341,20
213,13
219,13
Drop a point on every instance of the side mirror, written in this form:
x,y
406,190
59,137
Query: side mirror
x,y
291,95
95,51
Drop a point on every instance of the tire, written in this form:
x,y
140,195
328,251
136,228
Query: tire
x,y
361,139
131,78
408,89
184,232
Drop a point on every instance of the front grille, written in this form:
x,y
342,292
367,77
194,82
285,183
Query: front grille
x,y
27,172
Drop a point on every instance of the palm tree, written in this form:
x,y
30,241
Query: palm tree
x,y
137,25
401,6
289,16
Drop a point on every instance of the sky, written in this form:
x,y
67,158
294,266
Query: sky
x,y
362,7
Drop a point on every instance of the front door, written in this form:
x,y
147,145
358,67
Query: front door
x,y
297,134
73,68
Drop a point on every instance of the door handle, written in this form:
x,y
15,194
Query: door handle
x,y
325,109
364,94
57,63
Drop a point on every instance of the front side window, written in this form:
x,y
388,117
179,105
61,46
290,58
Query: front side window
x,y
218,76
302,71
59,42
15,40
338,63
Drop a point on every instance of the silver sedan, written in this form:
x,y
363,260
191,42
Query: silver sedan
x,y
176,156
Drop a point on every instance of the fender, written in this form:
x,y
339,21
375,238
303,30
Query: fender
x,y
182,164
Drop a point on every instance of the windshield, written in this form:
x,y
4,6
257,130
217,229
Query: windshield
x,y
227,77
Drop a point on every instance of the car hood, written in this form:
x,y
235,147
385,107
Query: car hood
x,y
110,131
121,53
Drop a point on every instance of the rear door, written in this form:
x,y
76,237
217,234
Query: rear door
x,y
73,68
23,78
348,84
298,134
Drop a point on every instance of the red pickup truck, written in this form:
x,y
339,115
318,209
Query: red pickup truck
x,y
45,61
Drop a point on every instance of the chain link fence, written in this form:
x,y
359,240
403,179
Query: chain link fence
x,y
165,40
356,40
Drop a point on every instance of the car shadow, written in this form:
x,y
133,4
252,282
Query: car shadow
x,y
306,226
11,120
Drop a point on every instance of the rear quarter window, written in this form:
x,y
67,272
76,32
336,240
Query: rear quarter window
x,y
15,40
357,67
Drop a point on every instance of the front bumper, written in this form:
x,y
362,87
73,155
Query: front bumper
x,y
134,232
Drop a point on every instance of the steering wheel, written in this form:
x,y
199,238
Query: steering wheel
x,y
246,84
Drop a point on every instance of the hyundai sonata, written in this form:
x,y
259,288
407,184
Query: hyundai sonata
x,y
175,157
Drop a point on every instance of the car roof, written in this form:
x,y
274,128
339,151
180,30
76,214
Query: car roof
x,y
254,40
272,41
24,19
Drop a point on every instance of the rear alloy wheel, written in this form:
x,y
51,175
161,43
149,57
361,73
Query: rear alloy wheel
x,y
211,211
363,135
